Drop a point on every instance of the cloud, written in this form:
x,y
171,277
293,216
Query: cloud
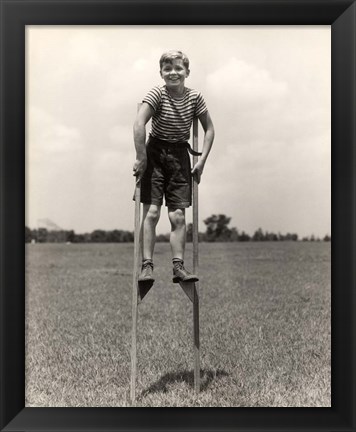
x,y
121,137
125,85
140,65
113,166
247,103
261,120
246,83
48,135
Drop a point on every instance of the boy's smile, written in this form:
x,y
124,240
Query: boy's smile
x,y
174,75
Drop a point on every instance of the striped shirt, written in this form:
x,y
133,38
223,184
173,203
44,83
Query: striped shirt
x,y
172,118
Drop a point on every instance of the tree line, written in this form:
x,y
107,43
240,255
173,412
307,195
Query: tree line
x,y
217,230
42,235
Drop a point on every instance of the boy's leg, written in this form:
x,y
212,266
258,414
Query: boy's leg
x,y
177,240
178,232
150,217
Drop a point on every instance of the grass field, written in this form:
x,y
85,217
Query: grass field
x,y
264,327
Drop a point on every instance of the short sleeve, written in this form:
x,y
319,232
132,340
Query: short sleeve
x,y
153,98
200,106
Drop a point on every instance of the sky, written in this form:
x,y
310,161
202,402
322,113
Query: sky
x,y
267,89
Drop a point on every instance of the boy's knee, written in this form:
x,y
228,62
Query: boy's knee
x,y
178,217
152,215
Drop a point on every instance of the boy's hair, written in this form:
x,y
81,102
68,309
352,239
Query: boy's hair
x,y
168,57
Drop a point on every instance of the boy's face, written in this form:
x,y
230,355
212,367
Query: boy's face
x,y
174,73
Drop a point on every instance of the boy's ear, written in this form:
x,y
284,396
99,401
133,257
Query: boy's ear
x,y
160,72
188,72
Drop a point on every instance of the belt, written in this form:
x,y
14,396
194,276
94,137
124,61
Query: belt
x,y
167,145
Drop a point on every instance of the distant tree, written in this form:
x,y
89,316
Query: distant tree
x,y
288,237
258,235
327,238
79,238
234,236
127,236
56,236
162,238
114,236
217,228
270,236
291,237
98,236
189,232
42,235
243,237
70,236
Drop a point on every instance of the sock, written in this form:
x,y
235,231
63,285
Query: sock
x,y
176,261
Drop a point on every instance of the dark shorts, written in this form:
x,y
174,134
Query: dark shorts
x,y
168,174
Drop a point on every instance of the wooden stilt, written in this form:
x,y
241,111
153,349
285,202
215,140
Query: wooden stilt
x,y
135,289
195,267
191,289
135,294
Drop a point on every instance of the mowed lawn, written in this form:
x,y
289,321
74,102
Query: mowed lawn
x,y
264,326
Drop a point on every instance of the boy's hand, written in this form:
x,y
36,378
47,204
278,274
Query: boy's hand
x,y
197,170
139,168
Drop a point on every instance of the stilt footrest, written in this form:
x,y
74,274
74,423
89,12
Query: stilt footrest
x,y
190,289
143,288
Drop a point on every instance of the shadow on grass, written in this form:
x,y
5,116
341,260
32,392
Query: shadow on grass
x,y
206,378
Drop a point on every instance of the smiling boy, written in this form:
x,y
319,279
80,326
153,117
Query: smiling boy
x,y
163,164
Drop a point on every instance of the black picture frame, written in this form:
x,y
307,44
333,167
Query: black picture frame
x,y
15,15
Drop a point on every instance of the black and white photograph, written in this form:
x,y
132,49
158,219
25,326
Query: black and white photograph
x,y
178,216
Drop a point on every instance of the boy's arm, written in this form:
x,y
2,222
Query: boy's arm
x,y
143,116
209,134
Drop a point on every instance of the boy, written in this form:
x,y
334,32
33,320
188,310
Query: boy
x,y
163,164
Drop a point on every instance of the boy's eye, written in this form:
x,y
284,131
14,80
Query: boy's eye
x,y
170,68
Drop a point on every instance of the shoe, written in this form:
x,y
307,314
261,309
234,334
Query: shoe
x,y
146,272
180,274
